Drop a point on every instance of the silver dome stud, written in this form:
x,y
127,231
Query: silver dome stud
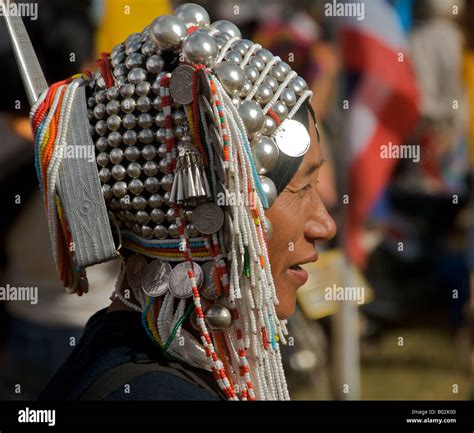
x,y
116,156
118,172
130,137
155,64
135,186
157,216
160,232
218,317
269,126
231,77
265,154
155,201
264,94
225,26
136,75
252,116
298,85
131,153
134,170
280,109
269,189
119,189
192,14
139,203
150,168
288,97
251,73
233,56
167,32
200,48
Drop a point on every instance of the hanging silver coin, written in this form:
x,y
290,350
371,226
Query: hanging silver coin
x,y
216,140
228,231
209,287
181,84
204,86
136,265
208,218
208,110
179,282
155,278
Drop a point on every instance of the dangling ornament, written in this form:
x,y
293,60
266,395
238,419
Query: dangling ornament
x,y
190,184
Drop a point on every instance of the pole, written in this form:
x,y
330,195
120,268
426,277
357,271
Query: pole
x,y
25,56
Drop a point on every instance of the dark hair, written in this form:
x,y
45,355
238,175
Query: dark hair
x,y
62,28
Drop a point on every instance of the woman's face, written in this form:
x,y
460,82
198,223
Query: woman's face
x,y
299,219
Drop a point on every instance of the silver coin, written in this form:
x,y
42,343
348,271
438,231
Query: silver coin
x,y
155,278
220,168
179,282
181,84
208,218
204,86
292,138
228,231
216,140
208,109
135,266
209,288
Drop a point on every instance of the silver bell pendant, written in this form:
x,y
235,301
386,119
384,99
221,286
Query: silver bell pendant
x,y
218,317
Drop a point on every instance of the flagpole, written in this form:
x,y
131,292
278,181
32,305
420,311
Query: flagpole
x,y
31,73
345,322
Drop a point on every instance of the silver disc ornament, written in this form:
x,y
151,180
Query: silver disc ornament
x,y
136,265
208,218
155,279
209,288
292,138
181,84
179,282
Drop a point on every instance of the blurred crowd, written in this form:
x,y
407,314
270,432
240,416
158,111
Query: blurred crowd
x,y
413,217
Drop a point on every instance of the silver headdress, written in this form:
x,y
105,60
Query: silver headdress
x,y
187,119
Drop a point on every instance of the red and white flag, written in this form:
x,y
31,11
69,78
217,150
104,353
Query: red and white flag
x,y
383,108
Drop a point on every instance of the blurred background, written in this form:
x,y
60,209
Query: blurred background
x,y
394,96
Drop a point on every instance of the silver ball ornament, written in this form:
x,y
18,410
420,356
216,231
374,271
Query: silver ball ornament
x,y
265,154
200,48
264,94
252,116
218,317
225,26
269,126
231,77
167,32
280,109
192,15
269,189
233,56
298,85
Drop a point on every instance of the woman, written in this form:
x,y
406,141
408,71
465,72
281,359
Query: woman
x,y
210,183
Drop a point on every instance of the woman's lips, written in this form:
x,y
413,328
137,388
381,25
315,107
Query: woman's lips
x,y
298,273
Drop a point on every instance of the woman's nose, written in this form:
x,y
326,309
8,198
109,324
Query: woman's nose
x,y
319,225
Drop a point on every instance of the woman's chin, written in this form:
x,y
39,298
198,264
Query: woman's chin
x,y
286,292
